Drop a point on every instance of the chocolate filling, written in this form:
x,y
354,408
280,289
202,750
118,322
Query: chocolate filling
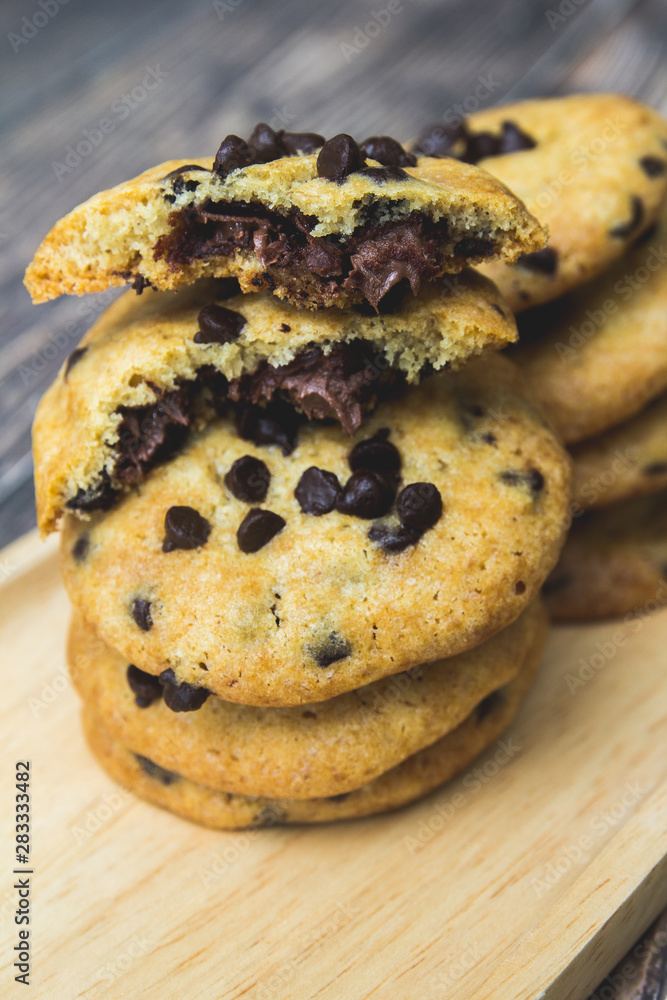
x,y
344,384
372,260
341,384
149,434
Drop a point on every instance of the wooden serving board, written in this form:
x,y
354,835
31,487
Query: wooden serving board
x,y
529,876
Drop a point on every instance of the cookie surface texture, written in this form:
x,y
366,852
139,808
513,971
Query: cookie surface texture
x,y
415,777
599,355
626,461
595,178
614,563
327,749
441,537
280,226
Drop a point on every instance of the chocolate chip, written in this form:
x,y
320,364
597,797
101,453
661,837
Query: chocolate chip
x,y
489,438
80,548
628,228
648,234
655,469
419,506
300,142
248,479
182,697
543,261
180,184
146,687
317,491
366,494
536,480
653,166
393,538
481,145
269,816
218,325
474,246
233,153
138,283
439,140
184,528
513,139
519,588
387,151
98,497
488,705
276,423
338,157
376,453
141,612
154,770
257,528
533,479
264,144
73,358
383,174
333,649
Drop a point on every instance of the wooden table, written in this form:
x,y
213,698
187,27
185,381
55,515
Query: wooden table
x,y
527,875
175,77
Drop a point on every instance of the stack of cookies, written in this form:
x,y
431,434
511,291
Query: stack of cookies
x,y
602,369
593,327
307,508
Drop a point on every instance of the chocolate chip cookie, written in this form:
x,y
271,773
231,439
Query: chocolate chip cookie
x,y
329,748
154,365
413,778
627,461
614,563
599,355
334,228
591,167
276,564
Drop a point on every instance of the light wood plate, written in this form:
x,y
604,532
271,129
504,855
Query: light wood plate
x,y
528,876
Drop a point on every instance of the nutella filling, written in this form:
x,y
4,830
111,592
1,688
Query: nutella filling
x,y
372,260
345,384
341,384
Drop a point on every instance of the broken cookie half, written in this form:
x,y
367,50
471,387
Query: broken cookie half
x,y
335,228
153,366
